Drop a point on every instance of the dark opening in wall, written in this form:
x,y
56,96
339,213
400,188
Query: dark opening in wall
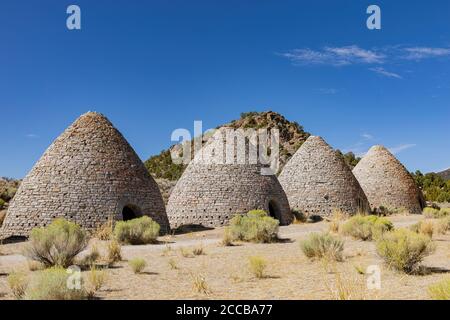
x,y
130,212
274,210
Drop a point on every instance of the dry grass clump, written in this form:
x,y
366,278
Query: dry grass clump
x,y
92,257
106,231
53,284
440,290
323,245
404,250
425,227
255,226
199,284
227,240
442,225
18,283
173,264
35,265
114,252
433,213
94,281
257,266
58,244
137,231
137,265
336,220
198,251
366,228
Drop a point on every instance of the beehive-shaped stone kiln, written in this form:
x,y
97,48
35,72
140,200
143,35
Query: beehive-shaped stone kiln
x,y
212,190
89,174
317,181
387,183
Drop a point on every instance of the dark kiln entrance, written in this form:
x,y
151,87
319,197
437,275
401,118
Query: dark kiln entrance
x,y
274,211
130,212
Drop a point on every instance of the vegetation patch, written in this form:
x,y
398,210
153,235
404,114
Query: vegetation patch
x,y
137,231
366,228
404,249
323,245
255,226
58,244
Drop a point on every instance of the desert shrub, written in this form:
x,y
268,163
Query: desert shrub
x,y
2,203
424,227
58,244
137,265
430,212
440,290
255,226
114,252
186,253
442,225
257,266
323,245
403,249
52,284
95,279
366,228
106,231
18,283
137,231
444,212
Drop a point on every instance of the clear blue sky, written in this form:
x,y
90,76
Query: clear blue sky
x,y
154,66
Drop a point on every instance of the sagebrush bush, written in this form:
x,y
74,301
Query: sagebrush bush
x,y
440,290
323,245
58,244
52,284
18,283
404,249
443,225
433,213
255,226
137,265
257,266
2,203
366,228
199,284
137,231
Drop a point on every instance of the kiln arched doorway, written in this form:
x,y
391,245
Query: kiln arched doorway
x,y
274,210
130,212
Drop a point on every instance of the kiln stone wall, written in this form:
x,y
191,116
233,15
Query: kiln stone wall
x,y
317,181
387,183
87,175
211,193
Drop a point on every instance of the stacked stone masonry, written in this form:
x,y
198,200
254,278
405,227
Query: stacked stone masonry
x,y
211,192
88,175
387,183
317,182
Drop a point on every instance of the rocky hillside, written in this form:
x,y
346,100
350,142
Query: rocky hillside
x,y
445,174
8,188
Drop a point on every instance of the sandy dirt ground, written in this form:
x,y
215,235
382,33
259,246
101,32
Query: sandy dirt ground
x,y
171,272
